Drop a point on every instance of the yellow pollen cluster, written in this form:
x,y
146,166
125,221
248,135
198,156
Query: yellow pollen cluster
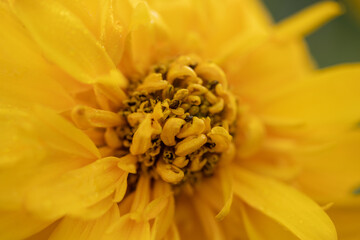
x,y
178,121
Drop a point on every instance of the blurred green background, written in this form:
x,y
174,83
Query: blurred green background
x,y
336,42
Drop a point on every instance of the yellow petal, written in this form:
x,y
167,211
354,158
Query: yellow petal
x,y
146,34
332,174
76,189
347,221
65,40
94,211
112,34
190,21
226,183
261,227
251,135
292,61
155,207
332,94
172,234
284,204
128,163
210,225
187,219
37,150
26,78
142,137
77,229
67,137
142,195
45,233
120,191
273,166
164,220
308,20
129,229
87,11
9,225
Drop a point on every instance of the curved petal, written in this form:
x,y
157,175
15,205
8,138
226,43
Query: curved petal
x,y
332,174
172,234
45,233
260,62
261,227
146,35
108,21
95,211
37,146
10,221
66,41
165,219
327,100
207,219
187,219
77,229
233,225
25,77
347,221
66,137
204,26
299,214
129,229
76,189
227,188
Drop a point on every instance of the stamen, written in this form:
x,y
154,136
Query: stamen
x,y
171,129
190,144
211,72
176,124
196,127
169,173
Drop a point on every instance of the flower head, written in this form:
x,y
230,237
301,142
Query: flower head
x,y
167,119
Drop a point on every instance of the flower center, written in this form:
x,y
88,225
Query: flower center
x,y
180,120
177,122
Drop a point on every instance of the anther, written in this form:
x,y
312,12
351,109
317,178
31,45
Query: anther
x,y
175,122
179,72
180,162
194,100
190,144
181,94
170,130
197,89
153,83
211,72
217,107
196,127
221,138
169,173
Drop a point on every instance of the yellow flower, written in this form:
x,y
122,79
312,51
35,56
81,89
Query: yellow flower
x,y
166,119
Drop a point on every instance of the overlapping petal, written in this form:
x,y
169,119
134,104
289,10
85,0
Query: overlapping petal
x,y
284,204
331,174
37,150
325,100
26,77
9,224
76,189
78,229
49,169
65,40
